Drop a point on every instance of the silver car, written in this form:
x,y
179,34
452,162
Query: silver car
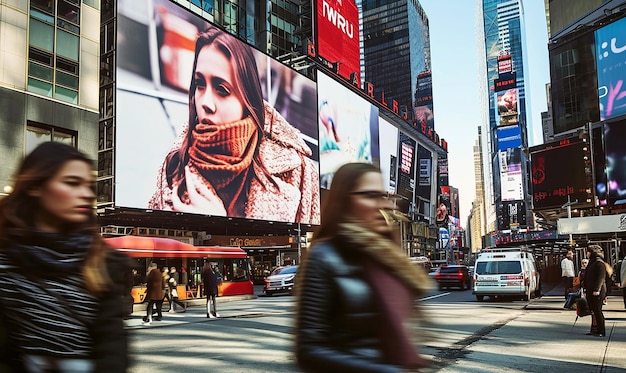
x,y
281,280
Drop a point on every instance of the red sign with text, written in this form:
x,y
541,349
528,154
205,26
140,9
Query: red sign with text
x,y
338,35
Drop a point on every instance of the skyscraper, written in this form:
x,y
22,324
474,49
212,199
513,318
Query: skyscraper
x,y
396,47
503,26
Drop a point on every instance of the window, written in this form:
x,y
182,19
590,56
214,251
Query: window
x,y
40,133
54,48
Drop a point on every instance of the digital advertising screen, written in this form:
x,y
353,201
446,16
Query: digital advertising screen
x,y
388,138
558,171
425,173
208,125
509,137
511,177
406,166
423,103
611,69
615,148
337,30
506,110
442,216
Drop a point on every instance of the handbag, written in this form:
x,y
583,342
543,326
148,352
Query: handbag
x,y
582,307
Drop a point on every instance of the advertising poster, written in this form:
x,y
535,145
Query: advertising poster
x,y
208,125
406,167
611,68
337,29
615,147
424,113
558,171
509,137
506,110
511,178
443,207
348,128
388,136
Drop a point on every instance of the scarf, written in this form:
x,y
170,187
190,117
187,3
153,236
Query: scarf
x,y
222,154
395,281
50,255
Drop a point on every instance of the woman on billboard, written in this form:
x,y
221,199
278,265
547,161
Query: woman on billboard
x,y
237,156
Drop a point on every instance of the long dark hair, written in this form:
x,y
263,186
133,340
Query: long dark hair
x,y
18,209
246,86
337,200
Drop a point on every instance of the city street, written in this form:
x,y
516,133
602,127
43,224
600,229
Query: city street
x,y
254,335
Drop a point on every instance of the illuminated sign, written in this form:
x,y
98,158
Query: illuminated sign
x,y
611,69
337,30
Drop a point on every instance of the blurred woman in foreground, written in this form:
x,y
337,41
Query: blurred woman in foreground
x,y
356,289
61,288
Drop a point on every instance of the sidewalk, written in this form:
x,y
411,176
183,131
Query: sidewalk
x,y
545,338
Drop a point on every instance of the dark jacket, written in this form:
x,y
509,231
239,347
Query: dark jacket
x,y
595,277
209,278
110,340
337,315
154,284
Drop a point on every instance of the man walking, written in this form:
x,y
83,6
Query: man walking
x,y
567,272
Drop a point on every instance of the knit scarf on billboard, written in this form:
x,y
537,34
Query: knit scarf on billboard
x,y
222,154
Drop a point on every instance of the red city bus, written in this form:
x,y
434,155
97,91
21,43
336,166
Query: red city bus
x,y
232,264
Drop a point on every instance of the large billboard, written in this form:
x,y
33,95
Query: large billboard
x,y
423,102
610,48
615,161
388,138
205,124
509,137
558,171
337,31
406,168
506,110
511,177
348,128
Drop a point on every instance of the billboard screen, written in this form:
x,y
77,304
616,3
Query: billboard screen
x,y
348,128
211,130
388,138
505,64
614,140
610,45
509,137
559,171
337,30
423,104
406,167
506,110
511,177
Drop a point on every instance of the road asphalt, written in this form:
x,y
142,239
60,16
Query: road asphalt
x,y
542,337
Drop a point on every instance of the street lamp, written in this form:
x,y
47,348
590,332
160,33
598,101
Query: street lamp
x,y
568,205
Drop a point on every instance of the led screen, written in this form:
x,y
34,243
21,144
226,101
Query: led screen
x,y
242,144
348,128
388,136
559,171
337,31
424,114
506,110
610,56
511,178
615,148
509,137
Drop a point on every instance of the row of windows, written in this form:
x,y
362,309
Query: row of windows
x,y
54,47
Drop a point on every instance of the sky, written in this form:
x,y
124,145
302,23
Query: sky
x,y
454,66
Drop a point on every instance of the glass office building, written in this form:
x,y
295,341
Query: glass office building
x,y
396,47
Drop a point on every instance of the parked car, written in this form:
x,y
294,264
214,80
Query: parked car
x,y
453,275
281,280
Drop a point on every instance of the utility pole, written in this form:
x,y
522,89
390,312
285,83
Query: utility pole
x,y
568,205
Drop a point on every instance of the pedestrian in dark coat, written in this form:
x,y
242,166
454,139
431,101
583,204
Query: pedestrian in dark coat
x,y
154,292
60,284
209,278
595,288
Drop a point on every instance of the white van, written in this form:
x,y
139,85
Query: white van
x,y
507,271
